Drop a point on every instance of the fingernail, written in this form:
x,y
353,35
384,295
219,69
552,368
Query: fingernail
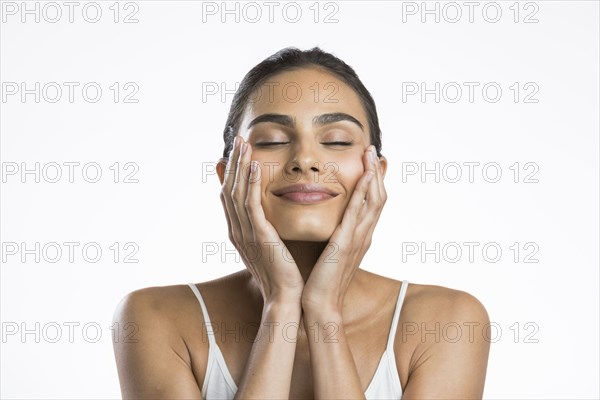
x,y
370,176
244,148
372,157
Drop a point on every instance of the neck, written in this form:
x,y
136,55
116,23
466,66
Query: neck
x,y
305,255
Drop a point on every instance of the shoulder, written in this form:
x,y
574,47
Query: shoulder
x,y
440,303
159,340
159,312
174,311
427,302
446,332
158,303
151,354
170,308
171,301
434,315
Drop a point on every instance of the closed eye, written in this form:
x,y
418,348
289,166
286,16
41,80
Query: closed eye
x,y
265,144
339,143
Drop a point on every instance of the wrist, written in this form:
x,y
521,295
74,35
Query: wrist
x,y
321,313
283,303
327,306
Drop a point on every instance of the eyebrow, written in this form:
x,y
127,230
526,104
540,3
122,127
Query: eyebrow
x,y
319,120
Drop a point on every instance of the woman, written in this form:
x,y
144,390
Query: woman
x,y
302,189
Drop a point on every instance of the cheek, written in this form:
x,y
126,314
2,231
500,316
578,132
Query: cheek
x,y
268,173
349,172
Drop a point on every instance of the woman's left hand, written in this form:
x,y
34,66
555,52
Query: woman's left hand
x,y
330,278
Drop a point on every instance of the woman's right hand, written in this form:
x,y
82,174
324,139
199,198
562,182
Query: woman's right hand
x,y
262,250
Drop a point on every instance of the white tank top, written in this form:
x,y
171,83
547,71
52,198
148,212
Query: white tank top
x,y
219,384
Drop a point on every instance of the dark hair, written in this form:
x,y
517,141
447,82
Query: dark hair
x,y
294,58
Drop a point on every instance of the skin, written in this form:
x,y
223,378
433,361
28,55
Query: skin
x,y
333,299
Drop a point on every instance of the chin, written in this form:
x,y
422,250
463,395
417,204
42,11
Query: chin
x,y
305,235
306,231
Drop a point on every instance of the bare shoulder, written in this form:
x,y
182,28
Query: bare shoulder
x,y
443,333
157,312
429,302
440,303
432,314
161,304
171,304
151,355
160,332
174,309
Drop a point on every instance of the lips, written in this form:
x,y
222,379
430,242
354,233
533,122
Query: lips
x,y
305,193
304,188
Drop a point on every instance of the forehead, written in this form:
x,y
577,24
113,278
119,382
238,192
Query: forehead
x,y
304,93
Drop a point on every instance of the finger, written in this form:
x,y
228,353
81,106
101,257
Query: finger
x,y
356,203
256,214
231,167
382,192
238,193
347,230
371,210
373,194
362,214
357,200
376,198
227,217
230,176
379,183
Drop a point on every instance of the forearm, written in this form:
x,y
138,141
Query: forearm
x,y
334,372
268,372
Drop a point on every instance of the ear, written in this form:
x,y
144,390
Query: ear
x,y
383,162
221,165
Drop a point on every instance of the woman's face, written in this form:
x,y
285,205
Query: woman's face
x,y
306,127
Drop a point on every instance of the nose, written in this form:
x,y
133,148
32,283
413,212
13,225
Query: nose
x,y
303,164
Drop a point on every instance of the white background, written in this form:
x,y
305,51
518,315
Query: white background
x,y
172,134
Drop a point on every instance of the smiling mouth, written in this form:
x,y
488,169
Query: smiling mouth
x,y
307,197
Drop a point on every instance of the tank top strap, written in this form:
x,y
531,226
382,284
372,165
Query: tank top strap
x,y
207,323
399,302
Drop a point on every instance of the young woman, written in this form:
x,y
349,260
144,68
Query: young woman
x,y
302,189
